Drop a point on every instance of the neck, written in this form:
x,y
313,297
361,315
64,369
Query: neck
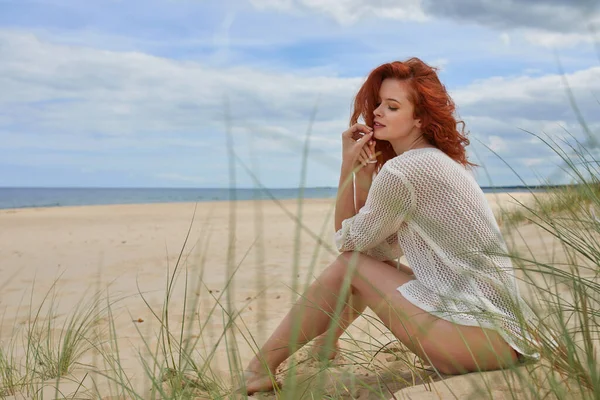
x,y
410,143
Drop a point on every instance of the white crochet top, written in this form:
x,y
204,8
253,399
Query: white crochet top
x,y
426,205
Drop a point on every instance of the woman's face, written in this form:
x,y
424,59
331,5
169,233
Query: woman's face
x,y
394,116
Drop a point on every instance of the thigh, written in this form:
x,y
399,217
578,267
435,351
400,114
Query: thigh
x,y
449,347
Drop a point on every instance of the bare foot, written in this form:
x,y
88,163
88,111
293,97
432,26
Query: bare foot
x,y
258,382
323,352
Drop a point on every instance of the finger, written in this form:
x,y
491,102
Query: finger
x,y
374,152
372,157
361,128
362,143
371,147
362,135
357,130
369,157
364,140
366,160
362,159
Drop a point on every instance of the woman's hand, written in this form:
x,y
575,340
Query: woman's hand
x,y
359,153
367,159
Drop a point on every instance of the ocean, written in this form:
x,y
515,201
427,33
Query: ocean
x,y
60,197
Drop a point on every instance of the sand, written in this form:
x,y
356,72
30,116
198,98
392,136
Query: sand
x,y
127,251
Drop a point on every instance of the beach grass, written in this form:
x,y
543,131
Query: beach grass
x,y
10,375
566,284
177,364
177,360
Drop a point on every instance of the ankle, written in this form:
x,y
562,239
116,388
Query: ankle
x,y
323,339
259,368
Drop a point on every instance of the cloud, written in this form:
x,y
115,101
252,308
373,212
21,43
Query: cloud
x,y
545,23
497,144
347,12
552,15
74,89
181,178
121,110
532,98
557,39
530,162
505,38
130,111
501,111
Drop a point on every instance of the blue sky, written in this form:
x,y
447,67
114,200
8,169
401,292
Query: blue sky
x,y
115,93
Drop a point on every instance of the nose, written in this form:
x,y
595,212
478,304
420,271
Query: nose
x,y
376,111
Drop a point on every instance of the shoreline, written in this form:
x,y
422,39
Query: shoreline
x,y
213,203
27,198
165,204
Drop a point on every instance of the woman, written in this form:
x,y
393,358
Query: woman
x,y
457,306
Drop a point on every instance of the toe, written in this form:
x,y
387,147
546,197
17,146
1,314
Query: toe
x,y
258,383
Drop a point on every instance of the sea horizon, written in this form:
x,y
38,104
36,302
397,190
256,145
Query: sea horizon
x,y
35,197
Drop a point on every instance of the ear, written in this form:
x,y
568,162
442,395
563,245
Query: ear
x,y
418,123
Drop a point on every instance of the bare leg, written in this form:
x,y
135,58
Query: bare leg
x,y
449,348
327,345
352,311
313,311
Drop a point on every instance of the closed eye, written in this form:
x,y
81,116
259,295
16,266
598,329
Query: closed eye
x,y
389,108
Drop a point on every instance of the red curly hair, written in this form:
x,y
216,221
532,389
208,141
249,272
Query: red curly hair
x,y
431,102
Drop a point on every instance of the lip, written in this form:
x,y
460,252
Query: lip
x,y
378,125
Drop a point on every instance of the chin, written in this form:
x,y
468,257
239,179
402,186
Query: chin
x,y
378,136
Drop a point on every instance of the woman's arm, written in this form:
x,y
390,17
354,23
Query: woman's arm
x,y
354,152
362,184
389,249
389,202
350,198
344,204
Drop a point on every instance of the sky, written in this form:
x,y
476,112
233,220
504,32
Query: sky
x,y
132,93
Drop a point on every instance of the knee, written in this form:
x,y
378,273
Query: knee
x,y
348,259
340,266
346,263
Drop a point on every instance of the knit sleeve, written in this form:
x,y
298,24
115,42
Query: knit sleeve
x,y
388,250
389,203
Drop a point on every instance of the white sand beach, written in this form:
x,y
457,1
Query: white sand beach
x,y
126,250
